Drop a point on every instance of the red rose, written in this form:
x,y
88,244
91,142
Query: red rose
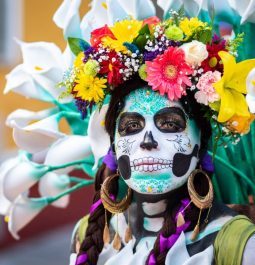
x,y
151,21
98,34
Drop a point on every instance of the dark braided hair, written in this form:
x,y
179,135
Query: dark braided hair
x,y
93,242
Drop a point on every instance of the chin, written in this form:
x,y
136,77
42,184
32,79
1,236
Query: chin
x,y
155,183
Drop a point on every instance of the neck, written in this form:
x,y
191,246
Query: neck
x,y
148,211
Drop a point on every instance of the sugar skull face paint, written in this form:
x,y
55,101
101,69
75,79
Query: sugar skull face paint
x,y
156,143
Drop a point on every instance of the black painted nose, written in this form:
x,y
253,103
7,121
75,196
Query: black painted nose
x,y
148,141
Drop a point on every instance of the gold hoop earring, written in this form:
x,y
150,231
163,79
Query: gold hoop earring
x,y
201,202
111,205
114,207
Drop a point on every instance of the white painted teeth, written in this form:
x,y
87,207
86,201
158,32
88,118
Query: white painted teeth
x,y
149,164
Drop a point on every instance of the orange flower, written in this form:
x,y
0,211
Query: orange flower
x,y
240,124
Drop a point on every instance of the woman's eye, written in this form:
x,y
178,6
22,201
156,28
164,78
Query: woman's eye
x,y
170,125
131,123
133,126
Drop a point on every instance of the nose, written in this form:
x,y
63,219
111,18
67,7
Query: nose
x,y
148,141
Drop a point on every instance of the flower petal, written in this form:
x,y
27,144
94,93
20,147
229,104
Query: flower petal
x,y
240,104
37,136
51,185
67,18
21,177
22,212
99,139
4,168
72,148
227,106
238,80
229,63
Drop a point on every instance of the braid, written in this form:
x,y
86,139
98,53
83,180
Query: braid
x,y
92,244
169,225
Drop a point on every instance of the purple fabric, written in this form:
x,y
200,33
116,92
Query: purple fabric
x,y
184,204
94,206
110,161
207,163
81,259
152,260
97,203
168,242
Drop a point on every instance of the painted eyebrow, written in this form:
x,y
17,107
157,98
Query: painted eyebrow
x,y
174,110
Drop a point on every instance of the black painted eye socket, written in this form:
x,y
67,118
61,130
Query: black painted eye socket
x,y
170,120
130,123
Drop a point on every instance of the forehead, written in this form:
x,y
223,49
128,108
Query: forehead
x,y
147,102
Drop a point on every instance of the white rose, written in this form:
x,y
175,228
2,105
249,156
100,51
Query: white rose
x,y
195,52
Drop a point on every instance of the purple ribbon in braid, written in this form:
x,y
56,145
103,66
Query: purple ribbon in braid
x,y
110,160
81,259
168,242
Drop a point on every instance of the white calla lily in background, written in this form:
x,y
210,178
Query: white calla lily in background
x,y
67,18
250,85
67,150
52,184
98,137
245,8
22,212
5,167
42,68
21,177
37,136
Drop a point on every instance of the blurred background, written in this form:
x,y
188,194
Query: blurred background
x,y
47,238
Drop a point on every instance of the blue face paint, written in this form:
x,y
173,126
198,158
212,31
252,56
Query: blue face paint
x,y
150,131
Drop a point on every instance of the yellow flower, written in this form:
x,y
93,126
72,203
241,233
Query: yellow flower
x,y
232,87
239,124
189,26
78,62
124,31
89,88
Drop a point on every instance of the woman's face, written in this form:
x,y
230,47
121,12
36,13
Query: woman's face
x,y
156,143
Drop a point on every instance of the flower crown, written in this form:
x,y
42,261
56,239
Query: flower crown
x,y
173,56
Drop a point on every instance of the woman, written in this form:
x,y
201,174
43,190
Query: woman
x,y
168,82
158,144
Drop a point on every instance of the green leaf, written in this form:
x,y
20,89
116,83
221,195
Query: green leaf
x,y
205,36
77,45
144,30
140,42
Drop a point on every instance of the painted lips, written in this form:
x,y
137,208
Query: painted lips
x,y
149,164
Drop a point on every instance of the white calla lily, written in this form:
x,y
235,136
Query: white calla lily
x,y
245,8
5,167
20,177
99,139
139,9
250,85
72,148
37,136
42,68
51,185
192,7
67,18
23,211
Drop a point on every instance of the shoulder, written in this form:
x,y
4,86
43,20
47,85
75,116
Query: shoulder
x,y
236,238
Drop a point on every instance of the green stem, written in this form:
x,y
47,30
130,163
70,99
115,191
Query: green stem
x,y
235,170
75,179
50,200
74,163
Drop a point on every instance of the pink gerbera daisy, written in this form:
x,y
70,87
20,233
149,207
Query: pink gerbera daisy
x,y
168,73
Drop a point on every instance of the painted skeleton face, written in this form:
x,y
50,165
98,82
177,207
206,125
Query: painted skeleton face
x,y
156,143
